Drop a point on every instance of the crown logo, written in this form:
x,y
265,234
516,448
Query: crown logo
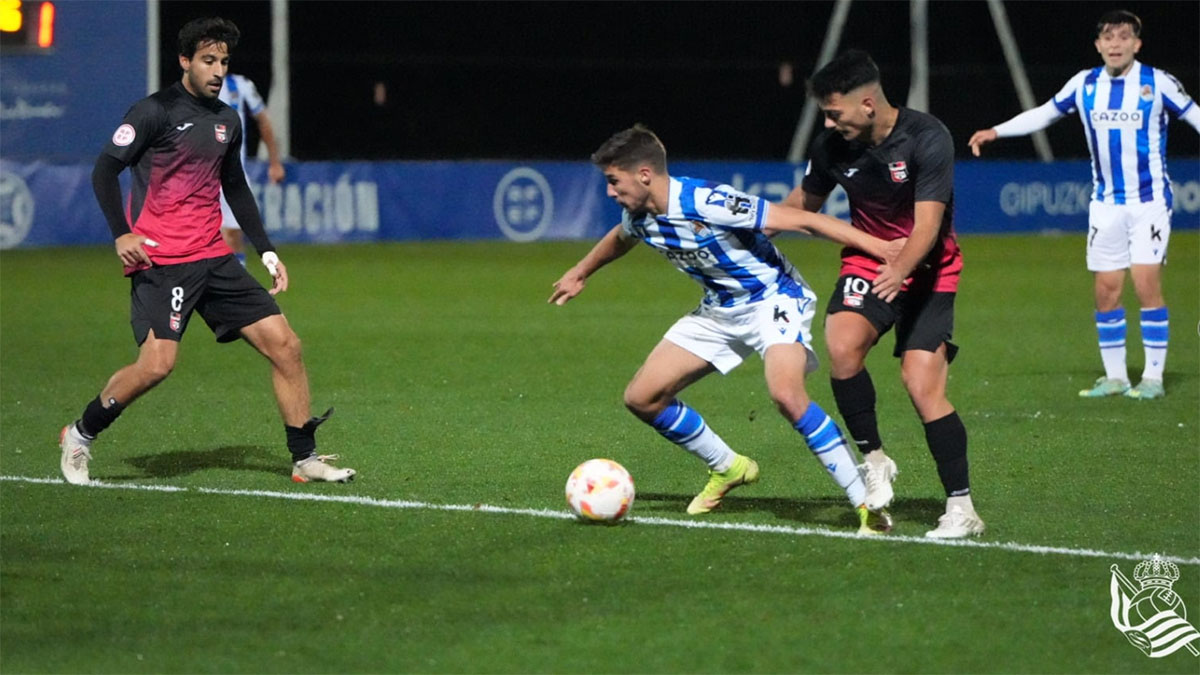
x,y
1156,572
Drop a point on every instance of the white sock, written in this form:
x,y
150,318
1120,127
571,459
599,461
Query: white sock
x,y
828,445
964,501
1110,326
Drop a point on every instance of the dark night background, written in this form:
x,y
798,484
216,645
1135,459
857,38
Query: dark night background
x,y
553,80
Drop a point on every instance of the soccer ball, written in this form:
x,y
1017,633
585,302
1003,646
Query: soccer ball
x,y
600,490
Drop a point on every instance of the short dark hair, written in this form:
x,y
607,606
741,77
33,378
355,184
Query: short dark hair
x,y
1118,17
199,32
849,71
631,148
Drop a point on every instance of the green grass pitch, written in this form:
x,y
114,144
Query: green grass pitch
x,y
456,385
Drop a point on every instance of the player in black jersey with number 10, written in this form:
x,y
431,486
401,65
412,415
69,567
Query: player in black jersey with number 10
x,y
897,168
183,145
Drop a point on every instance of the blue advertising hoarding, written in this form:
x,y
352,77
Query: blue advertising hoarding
x,y
59,103
46,204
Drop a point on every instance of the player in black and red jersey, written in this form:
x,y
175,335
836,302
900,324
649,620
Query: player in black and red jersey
x,y
897,167
183,145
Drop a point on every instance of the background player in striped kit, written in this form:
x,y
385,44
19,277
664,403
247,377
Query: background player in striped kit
x,y
897,168
754,300
1123,106
239,93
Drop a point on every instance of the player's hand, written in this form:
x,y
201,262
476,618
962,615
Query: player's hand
x,y
570,285
278,272
887,284
979,138
130,249
276,172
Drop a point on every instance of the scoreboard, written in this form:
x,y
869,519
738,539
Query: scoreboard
x,y
26,26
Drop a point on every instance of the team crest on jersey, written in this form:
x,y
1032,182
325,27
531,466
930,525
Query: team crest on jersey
x,y
176,321
1147,93
899,171
700,229
219,131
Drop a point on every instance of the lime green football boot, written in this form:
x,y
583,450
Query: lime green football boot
x,y
1147,389
743,471
873,522
1106,387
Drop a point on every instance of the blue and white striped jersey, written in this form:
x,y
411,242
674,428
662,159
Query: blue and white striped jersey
x,y
239,93
713,233
1125,120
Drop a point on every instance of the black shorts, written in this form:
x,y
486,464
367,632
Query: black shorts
x,y
220,289
923,319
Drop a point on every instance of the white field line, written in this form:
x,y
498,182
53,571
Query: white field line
x,y
640,520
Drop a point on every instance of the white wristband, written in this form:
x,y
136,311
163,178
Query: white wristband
x,y
271,260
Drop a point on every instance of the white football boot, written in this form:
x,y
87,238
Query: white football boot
x,y
76,452
957,523
879,477
315,468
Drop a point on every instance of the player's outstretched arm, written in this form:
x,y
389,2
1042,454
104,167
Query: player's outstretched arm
x,y
612,246
787,218
981,138
1034,119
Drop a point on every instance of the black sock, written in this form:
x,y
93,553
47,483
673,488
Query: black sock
x,y
97,418
302,441
947,439
855,399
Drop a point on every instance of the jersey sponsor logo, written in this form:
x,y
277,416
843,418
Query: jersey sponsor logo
x,y
899,171
1147,93
219,131
688,257
1116,119
124,135
184,127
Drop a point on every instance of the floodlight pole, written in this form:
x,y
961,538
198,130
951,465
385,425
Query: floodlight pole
x,y
918,28
152,47
279,103
1012,55
833,35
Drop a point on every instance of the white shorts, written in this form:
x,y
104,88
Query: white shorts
x,y
228,221
1121,235
724,336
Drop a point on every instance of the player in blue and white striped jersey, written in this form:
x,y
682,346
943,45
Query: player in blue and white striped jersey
x,y
1124,106
754,300
239,93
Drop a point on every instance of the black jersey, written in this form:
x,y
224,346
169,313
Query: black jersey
x,y
914,163
179,146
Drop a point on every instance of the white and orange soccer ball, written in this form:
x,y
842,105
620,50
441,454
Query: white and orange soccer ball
x,y
600,490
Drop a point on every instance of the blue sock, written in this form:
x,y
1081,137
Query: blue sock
x,y
684,427
1154,341
828,445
